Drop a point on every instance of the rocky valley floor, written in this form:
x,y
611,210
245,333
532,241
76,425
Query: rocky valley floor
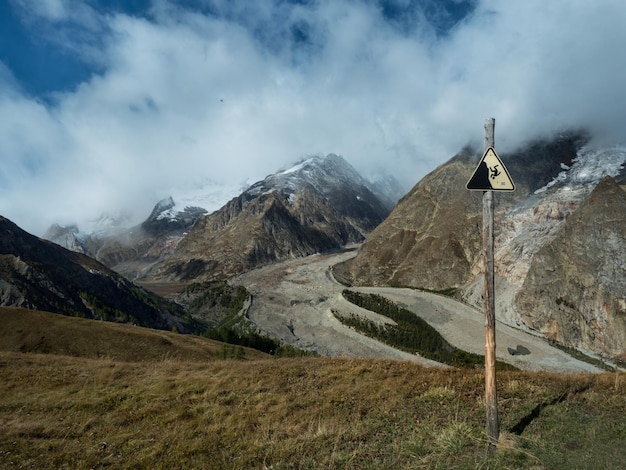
x,y
294,301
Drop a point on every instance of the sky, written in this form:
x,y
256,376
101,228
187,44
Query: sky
x,y
108,106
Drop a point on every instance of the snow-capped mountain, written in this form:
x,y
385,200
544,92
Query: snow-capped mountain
x,y
166,217
115,241
326,175
319,204
208,196
185,204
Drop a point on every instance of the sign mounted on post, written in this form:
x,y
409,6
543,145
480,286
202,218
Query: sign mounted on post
x,y
490,174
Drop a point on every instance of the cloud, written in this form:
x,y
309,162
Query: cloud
x,y
236,90
54,10
536,67
72,26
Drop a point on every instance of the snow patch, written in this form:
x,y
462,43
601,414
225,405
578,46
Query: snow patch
x,y
209,196
589,167
296,168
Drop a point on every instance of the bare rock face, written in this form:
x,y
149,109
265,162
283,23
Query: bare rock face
x,y
575,289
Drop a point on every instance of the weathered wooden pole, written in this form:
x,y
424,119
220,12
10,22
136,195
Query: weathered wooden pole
x,y
490,175
491,398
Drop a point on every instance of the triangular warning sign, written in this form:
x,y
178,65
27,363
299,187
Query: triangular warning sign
x,y
490,174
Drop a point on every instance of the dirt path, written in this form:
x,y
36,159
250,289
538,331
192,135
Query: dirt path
x,y
293,301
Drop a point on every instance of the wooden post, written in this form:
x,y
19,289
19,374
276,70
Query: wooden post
x,y
491,398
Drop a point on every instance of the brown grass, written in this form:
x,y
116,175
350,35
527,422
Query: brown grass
x,y
304,413
116,396
23,330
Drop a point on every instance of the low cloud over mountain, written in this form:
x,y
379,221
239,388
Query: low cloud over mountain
x,y
143,98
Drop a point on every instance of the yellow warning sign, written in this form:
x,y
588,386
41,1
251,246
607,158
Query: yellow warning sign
x,y
490,174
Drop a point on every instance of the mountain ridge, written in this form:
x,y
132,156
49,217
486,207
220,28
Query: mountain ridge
x,y
315,199
41,275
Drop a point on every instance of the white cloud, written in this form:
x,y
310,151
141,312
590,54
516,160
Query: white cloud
x,y
186,96
54,10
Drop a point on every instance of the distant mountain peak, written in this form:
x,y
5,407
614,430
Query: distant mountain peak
x,y
315,205
321,201
162,206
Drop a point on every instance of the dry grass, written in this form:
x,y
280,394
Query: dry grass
x,y
23,330
116,396
304,413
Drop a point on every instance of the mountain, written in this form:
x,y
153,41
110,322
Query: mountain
x,y
318,181
131,248
67,236
387,188
163,219
40,275
575,289
131,251
318,205
432,239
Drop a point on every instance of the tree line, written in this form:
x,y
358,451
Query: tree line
x,y
410,333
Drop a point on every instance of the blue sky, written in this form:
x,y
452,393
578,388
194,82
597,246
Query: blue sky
x,y
109,106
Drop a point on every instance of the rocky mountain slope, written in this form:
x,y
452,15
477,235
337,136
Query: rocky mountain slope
x,y
432,237
432,240
575,288
40,275
318,205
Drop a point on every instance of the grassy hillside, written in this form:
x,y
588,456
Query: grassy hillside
x,y
23,330
298,413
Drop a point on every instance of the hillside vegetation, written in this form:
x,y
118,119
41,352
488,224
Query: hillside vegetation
x,y
408,333
298,413
26,330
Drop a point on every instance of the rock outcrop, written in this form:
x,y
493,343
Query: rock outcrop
x,y
575,289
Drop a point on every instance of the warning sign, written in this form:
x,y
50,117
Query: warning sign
x,y
490,174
